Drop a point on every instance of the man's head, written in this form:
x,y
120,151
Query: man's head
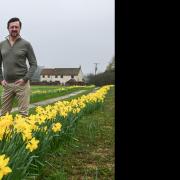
x,y
14,27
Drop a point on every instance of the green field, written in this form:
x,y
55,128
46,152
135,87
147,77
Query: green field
x,y
90,152
41,93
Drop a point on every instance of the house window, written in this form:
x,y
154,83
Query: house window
x,y
56,76
43,76
48,76
61,76
72,76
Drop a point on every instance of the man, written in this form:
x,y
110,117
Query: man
x,y
15,76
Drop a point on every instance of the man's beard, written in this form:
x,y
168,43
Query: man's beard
x,y
14,34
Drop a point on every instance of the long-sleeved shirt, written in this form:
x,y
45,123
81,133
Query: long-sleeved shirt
x,y
13,58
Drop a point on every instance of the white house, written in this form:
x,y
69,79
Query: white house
x,y
62,75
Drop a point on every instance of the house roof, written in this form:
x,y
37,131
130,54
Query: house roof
x,y
61,71
47,72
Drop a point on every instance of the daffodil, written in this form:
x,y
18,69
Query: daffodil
x,y
56,127
4,169
32,144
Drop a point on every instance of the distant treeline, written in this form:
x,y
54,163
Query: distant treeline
x,y
108,77
105,78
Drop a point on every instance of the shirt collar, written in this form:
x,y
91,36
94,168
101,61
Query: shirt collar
x,y
7,37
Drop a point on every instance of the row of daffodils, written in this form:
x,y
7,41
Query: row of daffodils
x,y
24,141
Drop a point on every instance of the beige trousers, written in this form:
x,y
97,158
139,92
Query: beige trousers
x,y
21,92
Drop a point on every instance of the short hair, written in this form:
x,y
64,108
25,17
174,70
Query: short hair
x,y
14,19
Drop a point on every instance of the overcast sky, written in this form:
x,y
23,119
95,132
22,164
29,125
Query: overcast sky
x,y
65,33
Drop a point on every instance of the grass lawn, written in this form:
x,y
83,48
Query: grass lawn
x,y
90,152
